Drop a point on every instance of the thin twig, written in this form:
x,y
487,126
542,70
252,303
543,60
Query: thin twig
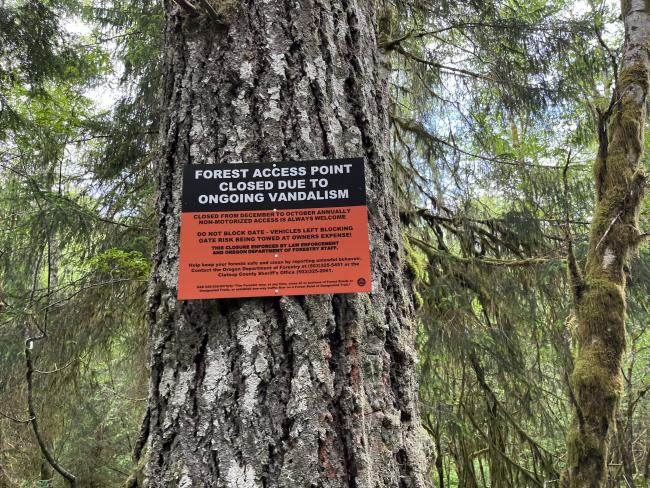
x,y
29,377
188,6
69,477
575,274
14,419
611,224
56,369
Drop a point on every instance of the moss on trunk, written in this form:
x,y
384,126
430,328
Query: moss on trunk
x,y
600,295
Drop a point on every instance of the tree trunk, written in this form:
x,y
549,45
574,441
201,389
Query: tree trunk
x,y
626,429
646,463
599,295
293,391
625,441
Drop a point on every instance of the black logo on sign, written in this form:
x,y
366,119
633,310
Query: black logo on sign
x,y
361,281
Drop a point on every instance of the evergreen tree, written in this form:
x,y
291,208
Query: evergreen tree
x,y
291,391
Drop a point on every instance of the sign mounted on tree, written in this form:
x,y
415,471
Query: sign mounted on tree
x,y
272,229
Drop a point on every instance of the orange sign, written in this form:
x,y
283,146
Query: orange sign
x,y
294,228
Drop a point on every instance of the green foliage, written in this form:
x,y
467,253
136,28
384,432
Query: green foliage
x,y
491,102
120,262
76,240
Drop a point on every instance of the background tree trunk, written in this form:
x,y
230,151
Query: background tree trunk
x,y
294,391
600,295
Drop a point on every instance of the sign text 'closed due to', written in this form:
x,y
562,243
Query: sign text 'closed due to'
x,y
271,229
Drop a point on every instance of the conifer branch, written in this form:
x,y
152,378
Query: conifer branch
x,y
420,131
512,263
575,273
209,8
542,453
15,419
187,6
527,473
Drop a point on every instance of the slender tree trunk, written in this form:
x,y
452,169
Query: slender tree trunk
x,y
646,462
294,391
626,429
599,295
440,467
625,441
5,482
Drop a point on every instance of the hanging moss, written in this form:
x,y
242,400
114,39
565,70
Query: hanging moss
x,y
416,265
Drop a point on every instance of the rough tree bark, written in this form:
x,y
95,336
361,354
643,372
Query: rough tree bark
x,y
294,391
599,295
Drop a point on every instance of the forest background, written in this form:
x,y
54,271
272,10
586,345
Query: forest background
x,y
494,108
